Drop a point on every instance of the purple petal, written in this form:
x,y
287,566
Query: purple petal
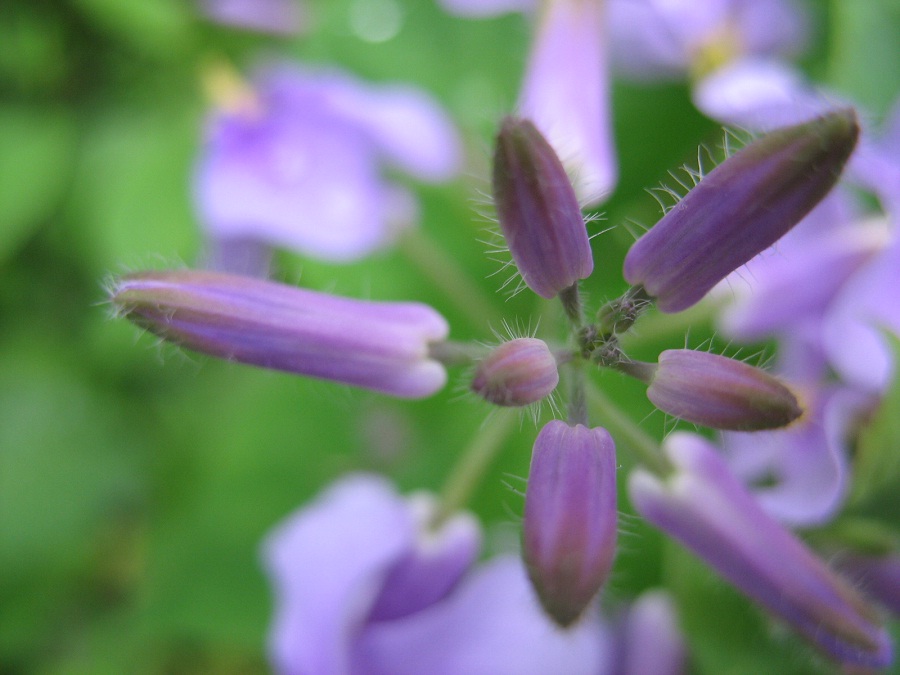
x,y
760,94
797,280
268,16
491,624
407,126
802,471
327,563
649,641
566,93
667,38
433,566
867,305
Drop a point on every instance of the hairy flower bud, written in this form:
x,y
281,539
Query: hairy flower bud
x,y
719,392
741,208
538,211
709,511
569,529
516,373
377,345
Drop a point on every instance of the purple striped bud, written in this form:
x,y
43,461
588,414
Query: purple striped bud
x,y
569,530
516,373
719,392
538,211
741,208
709,511
376,345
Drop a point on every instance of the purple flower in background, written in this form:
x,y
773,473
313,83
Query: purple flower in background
x,y
704,506
866,308
383,346
301,162
673,38
566,92
648,640
800,475
267,16
365,584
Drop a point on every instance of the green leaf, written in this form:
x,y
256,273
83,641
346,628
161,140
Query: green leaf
x,y
876,467
35,164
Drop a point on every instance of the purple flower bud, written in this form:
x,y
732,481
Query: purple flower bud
x,y
538,211
706,508
651,619
719,392
376,345
740,208
569,530
516,373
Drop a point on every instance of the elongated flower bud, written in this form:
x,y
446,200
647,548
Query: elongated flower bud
x,y
516,373
569,530
538,211
719,392
709,511
376,345
741,208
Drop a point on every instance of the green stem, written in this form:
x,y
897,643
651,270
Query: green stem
x,y
443,271
454,353
472,464
622,426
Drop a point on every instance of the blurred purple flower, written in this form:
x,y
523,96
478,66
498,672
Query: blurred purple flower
x,y
364,585
704,506
867,307
266,16
299,161
799,475
673,38
566,92
648,640
877,574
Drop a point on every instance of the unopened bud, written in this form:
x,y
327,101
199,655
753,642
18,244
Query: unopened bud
x,y
719,392
741,208
569,529
516,373
538,211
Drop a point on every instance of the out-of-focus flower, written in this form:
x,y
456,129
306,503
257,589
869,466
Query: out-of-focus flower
x,y
516,373
673,38
267,16
340,563
381,346
718,392
565,89
566,92
538,211
298,160
799,475
569,529
706,508
649,641
865,309
740,208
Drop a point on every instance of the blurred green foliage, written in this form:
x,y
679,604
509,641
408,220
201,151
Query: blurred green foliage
x,y
136,481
